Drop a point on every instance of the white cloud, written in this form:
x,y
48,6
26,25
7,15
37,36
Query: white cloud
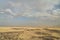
x,y
9,10
56,12
26,8
29,13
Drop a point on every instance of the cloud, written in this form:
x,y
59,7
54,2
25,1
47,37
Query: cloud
x,y
26,12
1,12
56,12
29,14
33,8
6,10
15,4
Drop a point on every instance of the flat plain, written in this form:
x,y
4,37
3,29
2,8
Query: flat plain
x,y
29,33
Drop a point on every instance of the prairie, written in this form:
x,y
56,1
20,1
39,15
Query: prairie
x,y
29,33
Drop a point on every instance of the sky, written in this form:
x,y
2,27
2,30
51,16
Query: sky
x,y
29,12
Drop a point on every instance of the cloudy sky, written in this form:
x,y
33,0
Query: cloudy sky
x,y
29,12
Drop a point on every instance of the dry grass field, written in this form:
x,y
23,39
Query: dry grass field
x,y
22,33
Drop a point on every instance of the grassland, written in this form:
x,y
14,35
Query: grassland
x,y
28,33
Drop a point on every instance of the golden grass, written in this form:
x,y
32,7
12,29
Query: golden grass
x,y
29,33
